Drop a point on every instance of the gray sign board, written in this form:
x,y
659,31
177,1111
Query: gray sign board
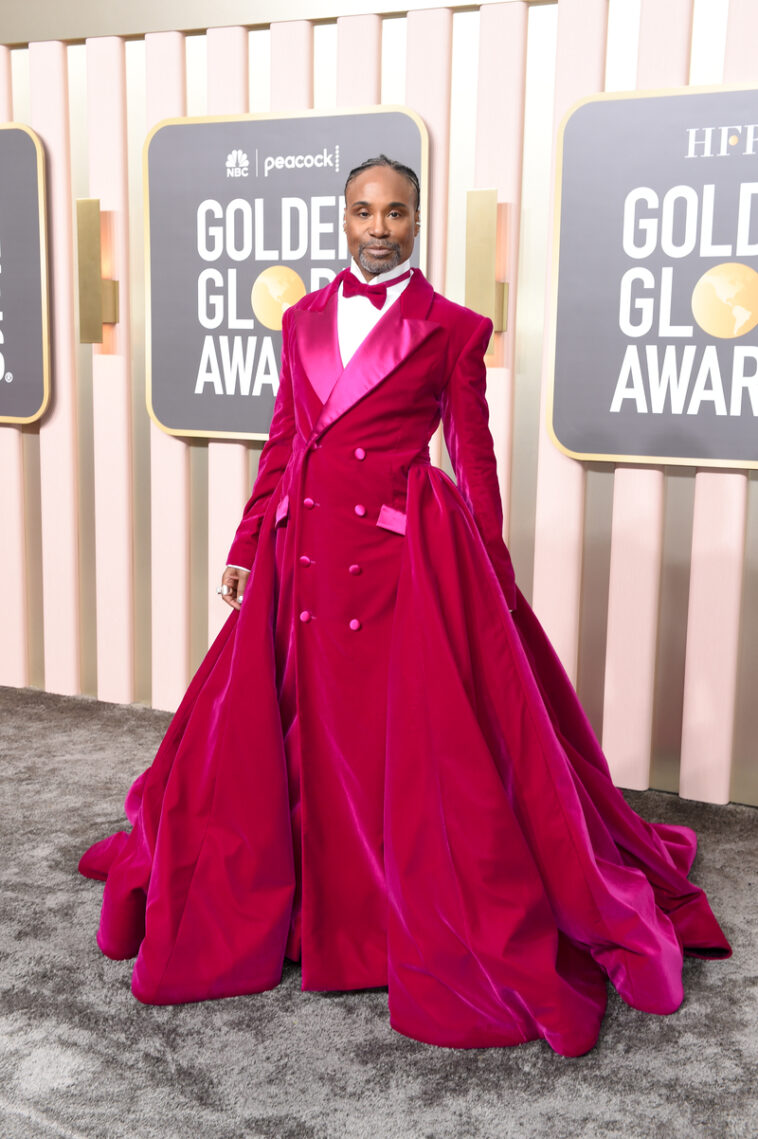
x,y
244,218
656,306
24,321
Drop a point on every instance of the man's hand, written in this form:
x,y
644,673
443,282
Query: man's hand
x,y
233,582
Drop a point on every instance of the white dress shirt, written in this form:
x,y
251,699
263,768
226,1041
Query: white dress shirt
x,y
356,316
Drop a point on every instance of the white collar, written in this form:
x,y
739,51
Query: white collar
x,y
381,278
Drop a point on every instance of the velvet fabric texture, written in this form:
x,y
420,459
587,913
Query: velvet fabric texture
x,y
379,769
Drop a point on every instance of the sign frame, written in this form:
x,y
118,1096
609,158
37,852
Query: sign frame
x,y
44,267
321,112
602,457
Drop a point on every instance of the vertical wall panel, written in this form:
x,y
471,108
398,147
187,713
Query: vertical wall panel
x,y
359,60
291,65
6,78
634,588
559,521
499,148
111,373
228,464
718,539
744,784
542,28
429,52
664,46
169,455
14,625
394,52
462,143
740,66
134,53
672,628
427,91
638,496
58,433
718,551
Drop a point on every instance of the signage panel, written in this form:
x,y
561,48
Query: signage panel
x,y
656,304
245,217
24,320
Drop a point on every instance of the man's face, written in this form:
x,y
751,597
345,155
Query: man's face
x,y
381,219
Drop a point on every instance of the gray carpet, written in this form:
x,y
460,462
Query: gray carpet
x,y
80,1057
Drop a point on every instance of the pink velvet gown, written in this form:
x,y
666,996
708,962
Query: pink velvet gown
x,y
378,769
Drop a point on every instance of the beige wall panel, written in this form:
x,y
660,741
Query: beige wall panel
x,y
534,252
741,66
292,66
559,523
166,84
638,496
499,148
427,90
58,430
14,624
359,67
228,465
111,378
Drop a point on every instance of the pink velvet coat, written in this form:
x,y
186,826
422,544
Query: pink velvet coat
x,y
378,769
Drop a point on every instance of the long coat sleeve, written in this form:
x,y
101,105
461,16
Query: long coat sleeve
x,y
465,418
273,461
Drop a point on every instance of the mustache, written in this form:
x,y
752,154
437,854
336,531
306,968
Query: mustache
x,y
379,245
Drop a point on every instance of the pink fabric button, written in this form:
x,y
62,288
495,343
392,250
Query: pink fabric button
x,y
304,560
308,503
354,569
305,616
355,624
360,509
359,453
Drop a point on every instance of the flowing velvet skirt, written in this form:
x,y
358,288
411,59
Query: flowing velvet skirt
x,y
424,807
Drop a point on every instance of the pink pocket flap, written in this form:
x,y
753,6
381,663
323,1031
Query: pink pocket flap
x,y
283,509
390,519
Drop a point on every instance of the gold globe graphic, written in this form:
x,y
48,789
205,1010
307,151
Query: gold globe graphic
x,y
725,300
275,289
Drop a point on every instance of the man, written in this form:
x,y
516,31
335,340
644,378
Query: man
x,y
378,770
364,364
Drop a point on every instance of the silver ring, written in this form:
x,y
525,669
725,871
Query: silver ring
x,y
225,590
239,597
218,589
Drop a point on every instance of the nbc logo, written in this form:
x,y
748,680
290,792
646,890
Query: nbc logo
x,y
237,164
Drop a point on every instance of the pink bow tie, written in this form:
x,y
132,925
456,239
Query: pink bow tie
x,y
377,294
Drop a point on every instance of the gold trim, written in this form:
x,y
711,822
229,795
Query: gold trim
x,y
44,273
591,457
98,295
484,293
309,112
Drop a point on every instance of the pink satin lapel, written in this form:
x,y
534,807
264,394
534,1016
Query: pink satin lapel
x,y
389,343
318,347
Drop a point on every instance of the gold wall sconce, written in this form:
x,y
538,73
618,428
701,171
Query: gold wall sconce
x,y
98,296
484,292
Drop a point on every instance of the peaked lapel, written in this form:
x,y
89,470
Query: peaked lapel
x,y
318,346
401,330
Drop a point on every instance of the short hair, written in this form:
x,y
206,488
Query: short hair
x,y
383,160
